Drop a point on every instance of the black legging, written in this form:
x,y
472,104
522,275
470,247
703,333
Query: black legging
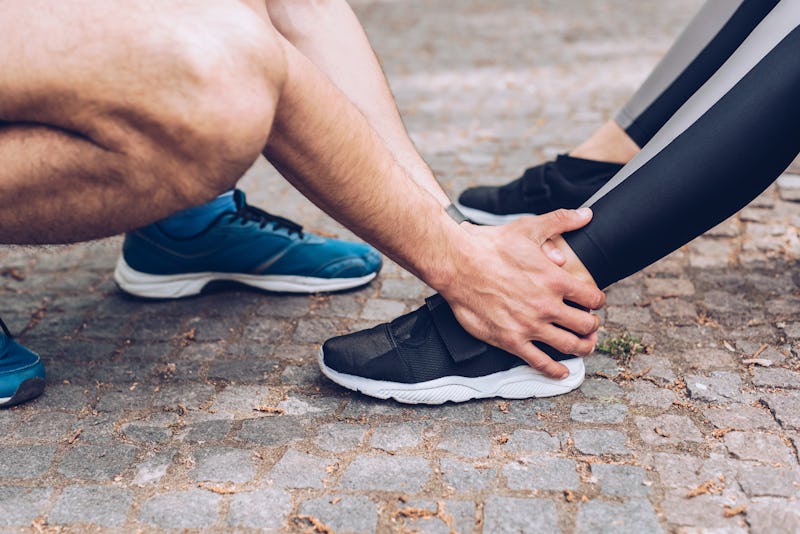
x,y
721,149
707,42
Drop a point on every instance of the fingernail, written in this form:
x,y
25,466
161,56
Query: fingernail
x,y
584,212
565,376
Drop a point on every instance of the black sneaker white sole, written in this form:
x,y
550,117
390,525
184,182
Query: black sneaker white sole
x,y
519,382
426,357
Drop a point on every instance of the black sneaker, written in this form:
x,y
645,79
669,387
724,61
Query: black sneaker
x,y
426,357
566,182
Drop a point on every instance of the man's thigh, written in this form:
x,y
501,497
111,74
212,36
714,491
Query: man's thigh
x,y
82,64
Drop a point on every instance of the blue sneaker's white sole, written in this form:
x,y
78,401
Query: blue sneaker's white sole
x,y
184,285
487,218
520,382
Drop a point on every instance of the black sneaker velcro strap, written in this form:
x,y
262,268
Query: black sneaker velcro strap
x,y
461,345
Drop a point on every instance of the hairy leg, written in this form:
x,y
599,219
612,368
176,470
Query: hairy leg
x,y
115,114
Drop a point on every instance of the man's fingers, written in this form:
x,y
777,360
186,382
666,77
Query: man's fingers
x,y
560,221
566,342
578,321
542,362
584,294
553,253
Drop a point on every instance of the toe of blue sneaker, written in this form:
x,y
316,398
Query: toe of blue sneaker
x,y
322,257
372,261
363,261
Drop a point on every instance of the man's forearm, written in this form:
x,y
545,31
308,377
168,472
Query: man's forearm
x,y
330,35
332,155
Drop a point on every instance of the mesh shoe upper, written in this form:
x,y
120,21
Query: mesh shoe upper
x,y
250,241
423,345
564,183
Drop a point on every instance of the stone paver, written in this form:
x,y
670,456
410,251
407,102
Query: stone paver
x,y
600,441
467,476
397,436
100,505
598,412
24,461
541,473
19,506
300,470
181,509
759,447
506,515
440,517
97,462
210,413
387,473
223,465
262,509
621,480
343,513
532,440
636,515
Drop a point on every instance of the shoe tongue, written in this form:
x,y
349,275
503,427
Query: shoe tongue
x,y
239,198
460,344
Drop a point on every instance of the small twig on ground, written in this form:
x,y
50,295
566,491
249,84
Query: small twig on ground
x,y
709,487
731,511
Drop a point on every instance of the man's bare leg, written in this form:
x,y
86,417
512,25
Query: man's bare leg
x,y
116,114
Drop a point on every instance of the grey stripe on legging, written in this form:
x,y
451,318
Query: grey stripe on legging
x,y
701,30
778,24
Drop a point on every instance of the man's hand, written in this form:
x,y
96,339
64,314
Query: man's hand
x,y
508,291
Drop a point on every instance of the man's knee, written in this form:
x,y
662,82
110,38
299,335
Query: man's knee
x,y
237,71
221,73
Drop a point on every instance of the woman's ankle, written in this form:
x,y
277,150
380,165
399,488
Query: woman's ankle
x,y
608,143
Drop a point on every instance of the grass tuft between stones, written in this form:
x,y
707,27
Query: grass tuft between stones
x,y
623,347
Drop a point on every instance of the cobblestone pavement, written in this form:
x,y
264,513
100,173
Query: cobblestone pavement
x,y
210,413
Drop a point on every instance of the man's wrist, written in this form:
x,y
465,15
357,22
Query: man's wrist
x,y
441,268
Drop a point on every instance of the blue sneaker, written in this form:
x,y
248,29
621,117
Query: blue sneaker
x,y
245,245
21,371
